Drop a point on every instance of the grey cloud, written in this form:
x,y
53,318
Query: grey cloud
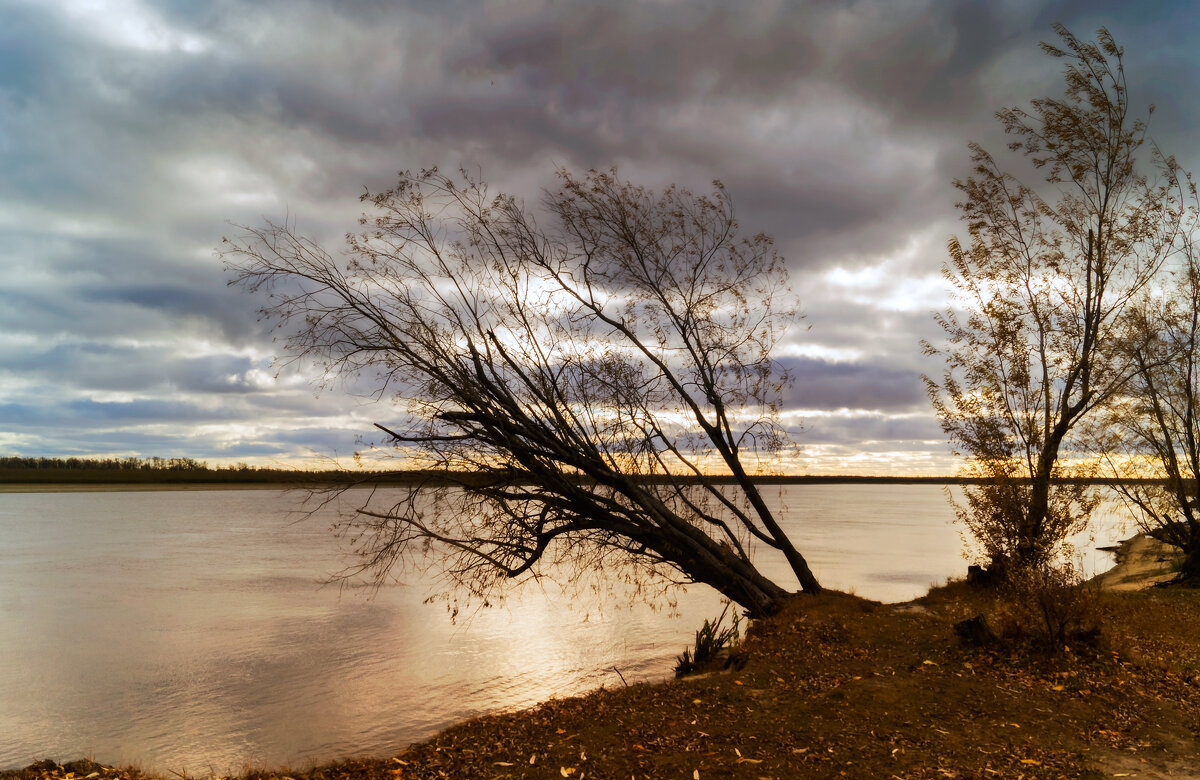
x,y
596,84
99,286
84,426
821,384
25,62
646,52
87,413
174,297
923,68
54,442
147,411
891,338
876,431
524,127
107,314
94,365
322,441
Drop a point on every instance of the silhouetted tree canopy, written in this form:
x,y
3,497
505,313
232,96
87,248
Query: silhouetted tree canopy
x,y
1042,282
589,371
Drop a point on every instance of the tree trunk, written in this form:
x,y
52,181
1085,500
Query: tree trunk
x,y
1189,573
707,561
808,581
1031,544
759,596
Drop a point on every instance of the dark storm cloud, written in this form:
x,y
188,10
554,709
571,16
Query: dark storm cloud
x,y
130,134
931,62
683,86
629,53
854,101
528,127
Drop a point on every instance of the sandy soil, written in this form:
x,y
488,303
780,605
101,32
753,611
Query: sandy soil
x,y
1141,563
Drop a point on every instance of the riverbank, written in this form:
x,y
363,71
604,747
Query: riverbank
x,y
836,686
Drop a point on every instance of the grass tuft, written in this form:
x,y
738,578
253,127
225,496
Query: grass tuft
x,y
711,641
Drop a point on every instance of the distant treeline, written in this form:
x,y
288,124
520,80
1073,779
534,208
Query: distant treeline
x,y
148,470
18,470
114,464
188,471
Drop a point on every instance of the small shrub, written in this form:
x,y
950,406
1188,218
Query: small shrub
x,y
1049,606
711,640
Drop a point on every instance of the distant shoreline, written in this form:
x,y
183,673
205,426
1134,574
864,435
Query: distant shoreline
x,y
106,484
139,487
100,480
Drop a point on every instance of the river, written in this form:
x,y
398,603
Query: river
x,y
192,630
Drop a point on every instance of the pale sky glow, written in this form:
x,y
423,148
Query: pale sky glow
x,y
134,134
820,352
128,24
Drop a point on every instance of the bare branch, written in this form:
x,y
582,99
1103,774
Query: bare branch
x,y
576,383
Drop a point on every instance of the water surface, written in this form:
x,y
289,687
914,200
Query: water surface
x,y
191,631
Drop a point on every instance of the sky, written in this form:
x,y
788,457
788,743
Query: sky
x,y
134,135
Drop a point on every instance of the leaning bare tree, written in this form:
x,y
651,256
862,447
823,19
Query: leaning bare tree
x,y
1151,432
1041,285
576,386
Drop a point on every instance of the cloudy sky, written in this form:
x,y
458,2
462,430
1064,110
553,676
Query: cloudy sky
x,y
132,132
